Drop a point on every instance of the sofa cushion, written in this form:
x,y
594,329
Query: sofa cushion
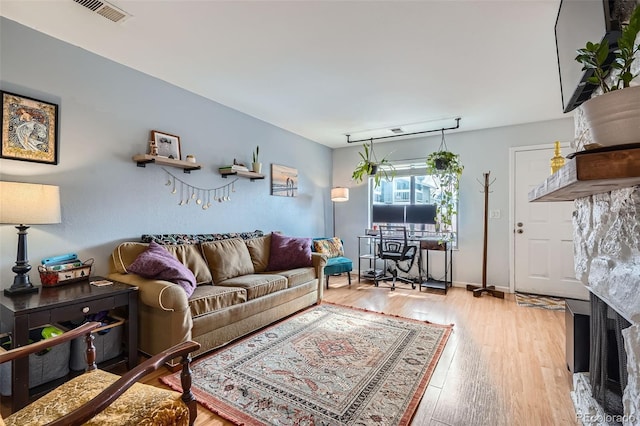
x,y
298,276
257,285
209,298
289,252
332,247
189,255
259,250
157,263
125,254
227,259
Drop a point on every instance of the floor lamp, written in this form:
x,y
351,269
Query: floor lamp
x,y
338,195
32,204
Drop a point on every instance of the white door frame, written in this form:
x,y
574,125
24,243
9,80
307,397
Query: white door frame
x,y
512,202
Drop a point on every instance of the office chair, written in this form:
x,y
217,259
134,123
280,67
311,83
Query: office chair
x,y
393,246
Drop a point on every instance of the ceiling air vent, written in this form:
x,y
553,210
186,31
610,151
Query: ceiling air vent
x,y
397,130
105,10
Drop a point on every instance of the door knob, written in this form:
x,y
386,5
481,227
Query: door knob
x,y
519,224
520,231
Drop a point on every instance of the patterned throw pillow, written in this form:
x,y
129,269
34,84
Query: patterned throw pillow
x,y
332,247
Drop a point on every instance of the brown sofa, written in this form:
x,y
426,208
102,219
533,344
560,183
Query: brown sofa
x,y
235,295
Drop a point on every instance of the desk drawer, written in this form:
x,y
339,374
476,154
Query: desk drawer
x,y
78,310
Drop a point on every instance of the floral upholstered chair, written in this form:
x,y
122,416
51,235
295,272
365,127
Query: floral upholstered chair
x,y
100,398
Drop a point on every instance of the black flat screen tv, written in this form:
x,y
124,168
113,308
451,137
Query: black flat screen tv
x,y
387,213
578,22
421,214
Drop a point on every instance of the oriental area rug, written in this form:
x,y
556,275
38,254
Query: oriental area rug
x,y
328,365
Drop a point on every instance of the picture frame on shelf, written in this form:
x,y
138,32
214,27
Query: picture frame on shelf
x,y
29,129
168,145
284,181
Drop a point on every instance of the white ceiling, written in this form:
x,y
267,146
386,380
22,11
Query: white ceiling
x,y
322,69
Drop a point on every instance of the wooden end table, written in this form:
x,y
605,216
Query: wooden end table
x,y
64,303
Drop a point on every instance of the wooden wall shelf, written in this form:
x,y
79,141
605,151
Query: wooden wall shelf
x,y
251,175
592,172
143,159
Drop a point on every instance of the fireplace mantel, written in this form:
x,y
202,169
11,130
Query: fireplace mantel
x,y
592,172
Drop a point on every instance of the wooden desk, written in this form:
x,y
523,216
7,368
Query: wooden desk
x,y
55,304
447,281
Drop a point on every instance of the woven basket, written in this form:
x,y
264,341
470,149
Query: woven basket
x,y
54,278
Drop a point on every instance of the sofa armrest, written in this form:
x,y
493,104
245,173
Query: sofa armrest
x,y
319,262
157,294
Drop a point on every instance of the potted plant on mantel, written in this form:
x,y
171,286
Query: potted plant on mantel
x,y
613,115
446,169
369,165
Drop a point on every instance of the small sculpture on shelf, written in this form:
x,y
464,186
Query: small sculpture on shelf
x,y
153,147
557,161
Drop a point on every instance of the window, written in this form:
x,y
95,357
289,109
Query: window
x,y
410,187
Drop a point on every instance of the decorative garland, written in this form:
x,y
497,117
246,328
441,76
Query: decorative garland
x,y
200,196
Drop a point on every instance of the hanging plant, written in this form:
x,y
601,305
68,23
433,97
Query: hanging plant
x,y
369,165
446,169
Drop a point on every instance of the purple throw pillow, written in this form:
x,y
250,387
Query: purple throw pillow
x,y
157,263
289,253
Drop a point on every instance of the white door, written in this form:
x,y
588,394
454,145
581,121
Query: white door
x,y
543,233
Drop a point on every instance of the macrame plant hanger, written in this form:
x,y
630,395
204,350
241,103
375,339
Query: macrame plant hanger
x,y
491,289
443,143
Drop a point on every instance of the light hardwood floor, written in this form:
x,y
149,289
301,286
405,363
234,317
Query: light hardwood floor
x,y
503,364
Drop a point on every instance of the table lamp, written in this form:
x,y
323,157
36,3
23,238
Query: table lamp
x,y
26,203
338,195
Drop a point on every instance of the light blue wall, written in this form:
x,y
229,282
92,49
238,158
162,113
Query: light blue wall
x,y
106,113
480,151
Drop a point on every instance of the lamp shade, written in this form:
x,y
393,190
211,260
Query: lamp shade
x,y
29,203
339,194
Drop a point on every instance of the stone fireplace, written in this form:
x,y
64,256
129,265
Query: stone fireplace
x,y
607,260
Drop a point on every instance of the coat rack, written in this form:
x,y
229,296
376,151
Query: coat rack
x,y
477,290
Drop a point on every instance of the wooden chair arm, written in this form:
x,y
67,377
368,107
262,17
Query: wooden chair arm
x,y
23,351
111,393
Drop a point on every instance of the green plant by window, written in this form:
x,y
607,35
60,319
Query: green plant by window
x,y
255,154
369,165
446,169
594,55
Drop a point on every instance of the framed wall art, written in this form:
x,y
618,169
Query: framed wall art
x,y
168,145
284,181
29,129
